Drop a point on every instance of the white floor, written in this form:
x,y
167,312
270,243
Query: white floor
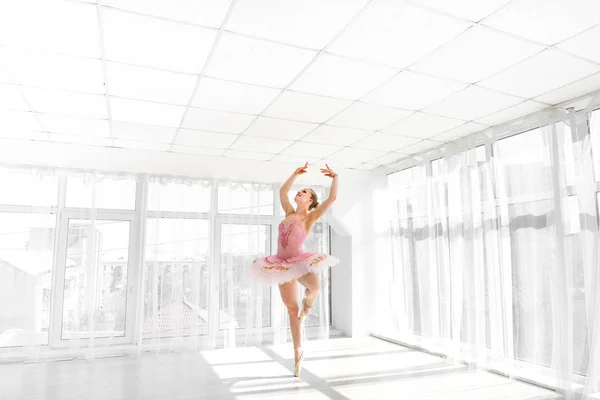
x,y
337,369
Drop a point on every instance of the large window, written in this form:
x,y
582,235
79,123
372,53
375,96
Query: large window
x,y
92,258
480,261
26,268
176,277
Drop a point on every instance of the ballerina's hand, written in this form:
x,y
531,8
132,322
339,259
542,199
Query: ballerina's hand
x,y
328,172
301,170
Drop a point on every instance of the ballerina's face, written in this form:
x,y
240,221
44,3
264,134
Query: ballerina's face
x,y
303,197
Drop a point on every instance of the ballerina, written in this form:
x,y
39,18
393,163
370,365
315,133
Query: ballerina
x,y
292,265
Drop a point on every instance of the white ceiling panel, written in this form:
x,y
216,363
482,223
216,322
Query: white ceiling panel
x,y
50,26
23,135
396,33
366,166
572,90
473,10
222,95
525,108
388,158
476,54
307,23
216,121
472,103
261,145
206,12
145,113
424,126
385,142
368,116
312,150
130,144
305,107
412,91
546,21
52,71
26,121
152,42
79,139
279,128
66,103
98,128
419,147
460,132
354,156
334,76
198,150
526,80
335,135
12,99
143,133
298,161
247,155
340,164
214,140
584,45
254,61
149,84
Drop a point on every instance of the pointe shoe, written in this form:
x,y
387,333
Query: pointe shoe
x,y
305,311
298,364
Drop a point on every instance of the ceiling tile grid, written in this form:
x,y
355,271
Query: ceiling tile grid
x,y
359,83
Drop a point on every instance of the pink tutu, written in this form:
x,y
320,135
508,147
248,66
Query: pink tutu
x,y
273,269
290,262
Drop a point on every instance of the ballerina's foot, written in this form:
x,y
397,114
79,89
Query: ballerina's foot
x,y
305,311
298,363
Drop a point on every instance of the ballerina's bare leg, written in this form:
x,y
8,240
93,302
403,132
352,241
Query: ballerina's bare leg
x,y
289,295
312,283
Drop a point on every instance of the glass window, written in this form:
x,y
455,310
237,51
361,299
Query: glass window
x,y
176,278
97,257
26,267
240,245
105,193
522,161
27,188
246,198
183,197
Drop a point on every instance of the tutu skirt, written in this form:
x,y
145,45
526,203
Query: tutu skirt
x,y
274,269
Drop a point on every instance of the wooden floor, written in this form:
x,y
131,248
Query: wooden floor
x,y
337,369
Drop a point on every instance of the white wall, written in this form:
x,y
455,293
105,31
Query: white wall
x,y
353,286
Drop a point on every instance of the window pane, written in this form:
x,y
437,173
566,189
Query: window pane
x,y
107,193
97,262
176,278
33,190
318,242
246,198
240,245
26,260
522,161
183,197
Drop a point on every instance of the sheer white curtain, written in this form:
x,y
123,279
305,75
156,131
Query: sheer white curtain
x,y
494,253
